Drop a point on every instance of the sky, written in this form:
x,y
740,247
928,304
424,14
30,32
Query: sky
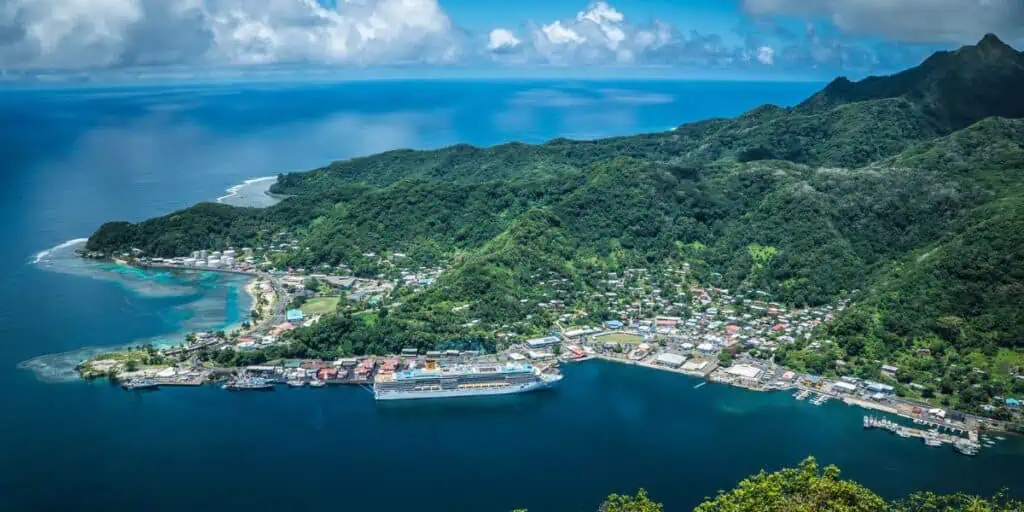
x,y
726,39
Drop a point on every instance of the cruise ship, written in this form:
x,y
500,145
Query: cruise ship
x,y
461,381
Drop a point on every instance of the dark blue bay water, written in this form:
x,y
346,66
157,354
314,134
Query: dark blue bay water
x,y
72,159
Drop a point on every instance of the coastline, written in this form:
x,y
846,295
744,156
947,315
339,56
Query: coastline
x,y
710,372
62,366
850,401
251,193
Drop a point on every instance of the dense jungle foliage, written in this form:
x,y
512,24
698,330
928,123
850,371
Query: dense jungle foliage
x,y
808,488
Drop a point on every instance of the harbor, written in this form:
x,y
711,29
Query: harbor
x,y
657,419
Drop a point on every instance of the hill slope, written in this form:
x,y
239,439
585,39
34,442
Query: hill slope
x,y
906,187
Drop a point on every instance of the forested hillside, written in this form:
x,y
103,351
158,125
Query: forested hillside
x,y
810,488
907,188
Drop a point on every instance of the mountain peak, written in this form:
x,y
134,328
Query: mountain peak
x,y
957,88
992,41
991,47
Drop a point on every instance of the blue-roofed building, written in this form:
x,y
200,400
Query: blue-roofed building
x,y
294,315
613,324
876,387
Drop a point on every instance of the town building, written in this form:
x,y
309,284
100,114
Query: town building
x,y
547,341
670,360
744,371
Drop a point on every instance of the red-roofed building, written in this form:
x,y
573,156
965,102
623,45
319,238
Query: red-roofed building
x,y
280,329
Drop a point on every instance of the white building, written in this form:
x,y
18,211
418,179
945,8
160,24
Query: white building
x,y
744,371
547,341
695,366
538,355
844,387
672,360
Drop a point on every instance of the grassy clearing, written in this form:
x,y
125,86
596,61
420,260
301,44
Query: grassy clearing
x,y
621,337
320,305
368,317
139,356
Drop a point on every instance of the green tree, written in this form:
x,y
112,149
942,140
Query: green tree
x,y
638,503
960,502
802,489
725,358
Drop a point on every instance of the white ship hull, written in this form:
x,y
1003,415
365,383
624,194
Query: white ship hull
x,y
462,393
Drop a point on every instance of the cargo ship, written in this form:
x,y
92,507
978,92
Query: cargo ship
x,y
461,381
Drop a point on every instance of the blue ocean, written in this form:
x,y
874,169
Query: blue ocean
x,y
75,157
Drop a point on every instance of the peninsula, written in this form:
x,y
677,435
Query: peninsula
x,y
866,242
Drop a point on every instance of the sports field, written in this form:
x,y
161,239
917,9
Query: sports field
x,y
320,305
621,337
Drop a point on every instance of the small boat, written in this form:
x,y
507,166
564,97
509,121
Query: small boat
x,y
700,385
932,441
139,384
1000,438
293,383
966,448
317,383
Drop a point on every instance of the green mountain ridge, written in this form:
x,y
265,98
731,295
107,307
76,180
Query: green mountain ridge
x,y
889,185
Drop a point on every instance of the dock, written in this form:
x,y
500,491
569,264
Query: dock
x,y
966,446
181,380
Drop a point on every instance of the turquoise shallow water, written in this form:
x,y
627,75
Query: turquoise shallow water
x,y
74,159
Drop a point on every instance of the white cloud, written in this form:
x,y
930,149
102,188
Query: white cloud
x,y
597,35
502,39
601,12
104,33
64,35
558,34
915,21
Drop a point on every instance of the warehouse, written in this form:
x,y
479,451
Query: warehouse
x,y
671,360
545,342
744,371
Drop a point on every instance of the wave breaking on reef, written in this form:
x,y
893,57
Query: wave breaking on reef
x,y
252,193
70,244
